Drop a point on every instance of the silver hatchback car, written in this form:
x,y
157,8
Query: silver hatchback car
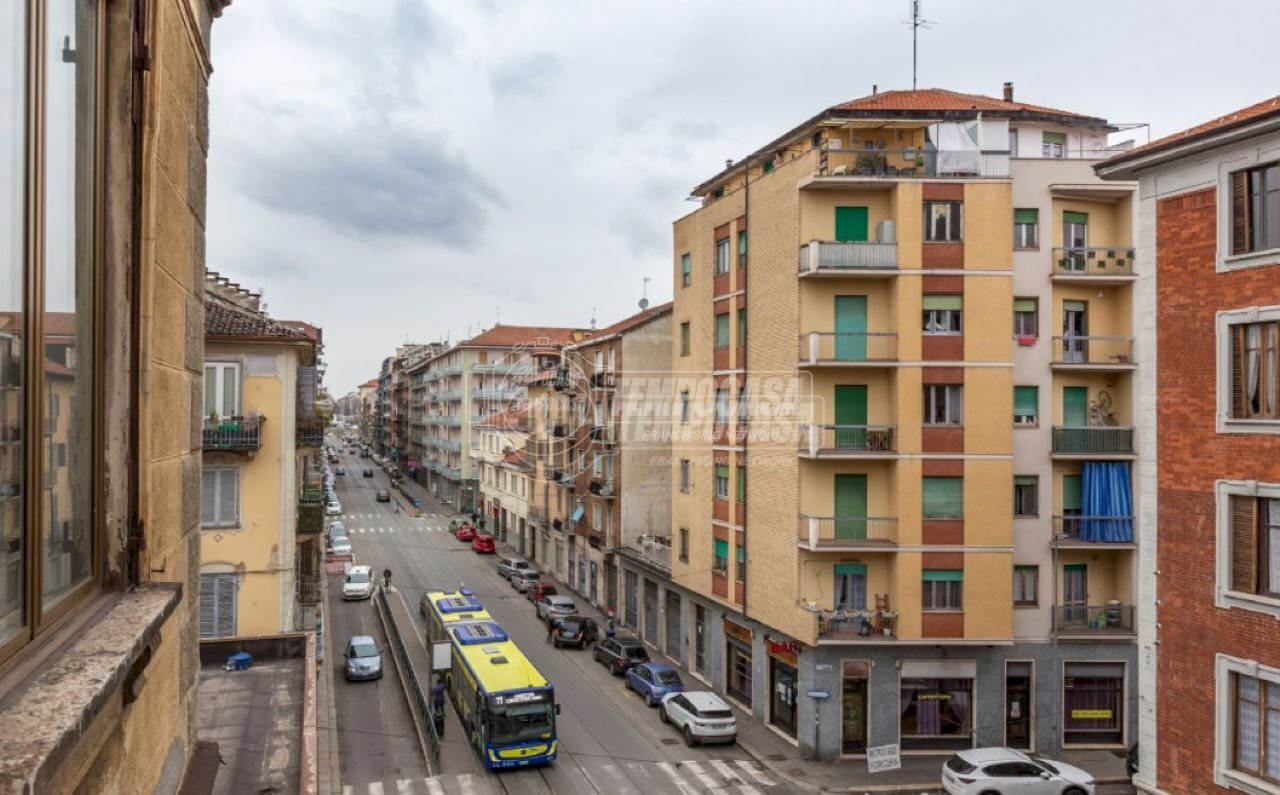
x,y
363,658
555,606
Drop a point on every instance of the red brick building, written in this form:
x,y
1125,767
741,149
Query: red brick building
x,y
1209,316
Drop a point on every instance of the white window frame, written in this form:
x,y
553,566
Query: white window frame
x,y
722,406
1224,722
1226,261
722,256
1224,321
1223,595
218,524
685,476
220,368
954,406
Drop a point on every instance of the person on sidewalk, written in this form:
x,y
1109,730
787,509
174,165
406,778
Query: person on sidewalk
x,y
609,629
386,579
437,705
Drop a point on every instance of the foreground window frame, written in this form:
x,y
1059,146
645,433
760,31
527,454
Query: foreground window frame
x,y
54,137
1228,770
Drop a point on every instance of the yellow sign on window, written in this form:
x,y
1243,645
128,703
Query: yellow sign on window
x,y
1090,714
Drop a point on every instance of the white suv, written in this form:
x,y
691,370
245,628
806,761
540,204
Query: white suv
x,y
978,771
358,583
333,509
700,716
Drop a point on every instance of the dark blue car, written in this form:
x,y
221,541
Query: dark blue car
x,y
653,681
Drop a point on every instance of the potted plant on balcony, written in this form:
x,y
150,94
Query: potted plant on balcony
x,y
884,621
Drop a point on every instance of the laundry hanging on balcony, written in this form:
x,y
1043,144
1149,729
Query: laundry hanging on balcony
x,y
958,151
1107,502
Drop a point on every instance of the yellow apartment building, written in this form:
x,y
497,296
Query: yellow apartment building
x,y
902,488
260,513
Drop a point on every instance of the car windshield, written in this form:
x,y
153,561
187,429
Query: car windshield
x,y
1045,764
959,765
667,677
358,578
635,652
364,650
570,606
520,722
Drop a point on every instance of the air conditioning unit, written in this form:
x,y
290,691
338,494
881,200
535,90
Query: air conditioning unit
x,y
887,231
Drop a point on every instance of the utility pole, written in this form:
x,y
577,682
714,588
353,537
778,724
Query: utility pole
x,y
915,23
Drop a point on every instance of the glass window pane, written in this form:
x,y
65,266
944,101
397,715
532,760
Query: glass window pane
x,y
66,556
12,217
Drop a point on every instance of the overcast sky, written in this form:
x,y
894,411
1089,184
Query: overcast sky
x,y
400,170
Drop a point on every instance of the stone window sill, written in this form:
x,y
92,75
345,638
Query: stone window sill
x,y
50,701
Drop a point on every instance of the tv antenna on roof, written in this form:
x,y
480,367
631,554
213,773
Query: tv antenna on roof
x,y
915,23
644,296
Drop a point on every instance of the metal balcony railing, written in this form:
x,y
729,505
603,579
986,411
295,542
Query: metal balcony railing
x,y
913,163
605,379
837,440
310,590
1093,261
839,532
233,434
653,549
602,487
1081,528
310,432
855,624
1093,350
842,257
311,495
1112,618
820,347
603,433
1101,440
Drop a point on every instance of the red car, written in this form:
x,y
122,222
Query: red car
x,y
483,543
466,533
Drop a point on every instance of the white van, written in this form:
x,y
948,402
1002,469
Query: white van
x,y
358,583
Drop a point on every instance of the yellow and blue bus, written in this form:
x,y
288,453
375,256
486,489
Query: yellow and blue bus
x,y
507,708
443,609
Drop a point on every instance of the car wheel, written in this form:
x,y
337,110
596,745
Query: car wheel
x,y
650,700
662,714
1074,791
688,738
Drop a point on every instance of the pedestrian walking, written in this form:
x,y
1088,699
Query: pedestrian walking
x,y
386,578
437,705
609,629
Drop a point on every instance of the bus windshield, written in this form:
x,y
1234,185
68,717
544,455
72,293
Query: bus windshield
x,y
520,722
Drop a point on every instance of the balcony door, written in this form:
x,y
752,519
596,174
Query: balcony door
x,y
851,586
851,224
851,506
1072,500
1075,329
1075,239
1075,593
851,417
221,389
851,328
1075,406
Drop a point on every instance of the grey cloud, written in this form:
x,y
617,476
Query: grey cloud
x,y
528,76
375,184
690,128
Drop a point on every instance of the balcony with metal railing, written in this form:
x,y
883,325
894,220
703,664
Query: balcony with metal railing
x,y
1091,532
496,393
232,434
1092,442
861,258
1094,621
856,625
1094,264
1093,353
654,550
847,349
847,441
846,533
310,589
310,432
862,165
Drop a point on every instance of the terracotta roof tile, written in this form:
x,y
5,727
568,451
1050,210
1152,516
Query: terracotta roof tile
x,y
943,100
626,324
222,319
1242,116
502,336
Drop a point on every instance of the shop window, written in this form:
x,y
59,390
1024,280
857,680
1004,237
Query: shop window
x,y
855,684
738,668
936,714
1093,704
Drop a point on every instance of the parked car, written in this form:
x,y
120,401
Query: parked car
x,y
334,508
523,580
539,589
576,631
555,606
358,583
620,653
466,533
1131,762
368,473
384,495
363,658
483,543
340,546
979,771
333,459
509,566
653,680
340,471
702,717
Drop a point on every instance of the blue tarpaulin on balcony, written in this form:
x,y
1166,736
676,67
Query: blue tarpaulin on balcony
x,y
1107,507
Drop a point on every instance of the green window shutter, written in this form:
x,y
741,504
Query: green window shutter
x,y
722,470
944,575
1026,216
742,484
722,331
851,568
742,327
943,302
1025,400
1055,138
742,555
768,166
1072,492
722,548
1075,218
1024,305
742,242
943,498
1074,306
1025,480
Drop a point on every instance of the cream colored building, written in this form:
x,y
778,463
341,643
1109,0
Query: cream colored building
x,y
256,568
904,437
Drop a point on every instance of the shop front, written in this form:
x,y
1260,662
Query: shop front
x,y
1093,703
783,684
854,689
935,704
737,648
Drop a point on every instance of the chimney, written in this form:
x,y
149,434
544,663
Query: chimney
x,y
1008,92
875,89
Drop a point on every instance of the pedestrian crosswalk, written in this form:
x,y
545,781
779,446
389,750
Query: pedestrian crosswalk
x,y
694,777
428,517
418,528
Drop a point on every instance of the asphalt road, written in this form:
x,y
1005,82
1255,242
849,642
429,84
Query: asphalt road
x,y
610,742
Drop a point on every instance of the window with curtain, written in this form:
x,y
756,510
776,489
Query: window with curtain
x,y
722,482
1026,405
1255,370
943,314
943,497
720,556
1256,745
943,404
943,221
722,330
686,270
722,257
1026,495
943,589
1026,228
742,248
1053,144
1026,586
1026,317
1255,209
1255,545
936,713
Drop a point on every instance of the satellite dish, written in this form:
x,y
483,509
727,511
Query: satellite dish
x,y
644,303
